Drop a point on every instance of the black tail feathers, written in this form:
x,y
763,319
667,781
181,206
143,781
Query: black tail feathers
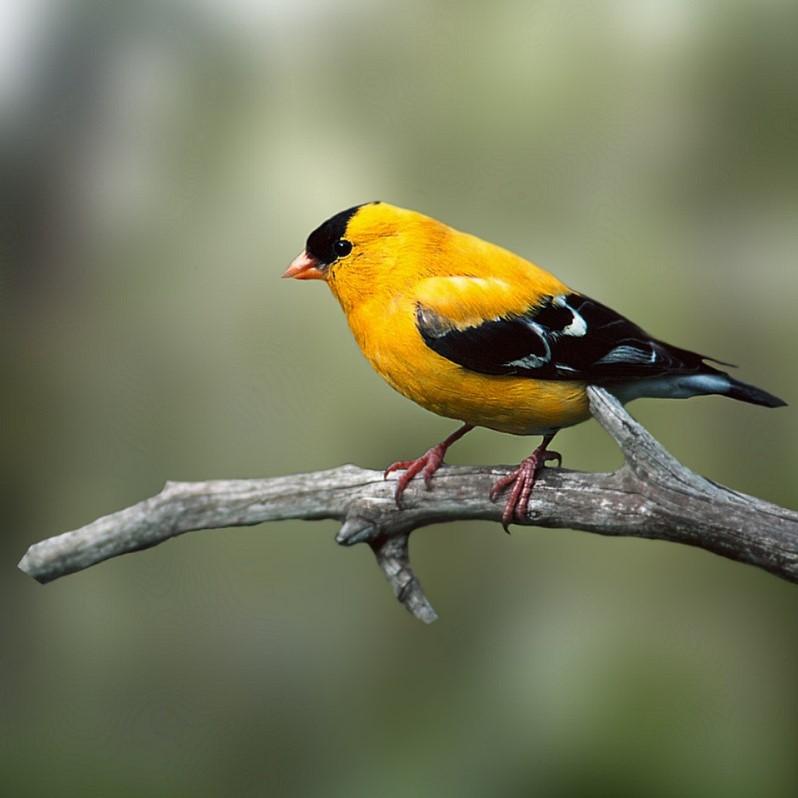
x,y
750,393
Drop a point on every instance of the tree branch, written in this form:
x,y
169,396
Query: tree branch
x,y
651,496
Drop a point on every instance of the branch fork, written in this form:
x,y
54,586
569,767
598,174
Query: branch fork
x,y
651,496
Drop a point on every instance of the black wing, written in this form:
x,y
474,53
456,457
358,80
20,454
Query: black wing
x,y
566,337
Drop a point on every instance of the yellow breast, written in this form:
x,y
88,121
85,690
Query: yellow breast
x,y
390,340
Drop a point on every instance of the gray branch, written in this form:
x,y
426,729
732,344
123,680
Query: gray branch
x,y
651,496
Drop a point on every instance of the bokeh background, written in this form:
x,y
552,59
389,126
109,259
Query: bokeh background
x,y
162,162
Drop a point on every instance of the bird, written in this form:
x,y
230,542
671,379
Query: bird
x,y
476,333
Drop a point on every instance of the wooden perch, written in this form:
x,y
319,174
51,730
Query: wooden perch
x,y
651,496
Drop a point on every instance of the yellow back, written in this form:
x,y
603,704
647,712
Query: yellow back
x,y
395,250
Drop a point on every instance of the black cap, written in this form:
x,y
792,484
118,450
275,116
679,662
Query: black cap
x,y
321,242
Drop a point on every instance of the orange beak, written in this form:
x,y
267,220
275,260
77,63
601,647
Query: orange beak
x,y
304,267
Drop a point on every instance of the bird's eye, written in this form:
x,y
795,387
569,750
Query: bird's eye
x,y
342,247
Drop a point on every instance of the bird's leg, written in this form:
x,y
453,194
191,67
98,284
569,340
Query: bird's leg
x,y
522,481
428,463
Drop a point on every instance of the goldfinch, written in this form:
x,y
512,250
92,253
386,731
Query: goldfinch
x,y
476,333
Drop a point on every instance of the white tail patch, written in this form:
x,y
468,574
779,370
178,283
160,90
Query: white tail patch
x,y
674,386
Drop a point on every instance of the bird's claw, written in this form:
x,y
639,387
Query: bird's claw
x,y
399,465
522,480
551,456
426,465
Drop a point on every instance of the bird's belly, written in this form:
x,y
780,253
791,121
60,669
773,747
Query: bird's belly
x,y
517,405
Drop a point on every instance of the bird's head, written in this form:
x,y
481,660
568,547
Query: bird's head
x,y
366,250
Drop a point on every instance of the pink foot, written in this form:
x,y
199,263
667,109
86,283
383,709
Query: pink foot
x,y
522,481
427,464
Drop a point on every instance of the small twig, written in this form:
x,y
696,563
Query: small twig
x,y
651,496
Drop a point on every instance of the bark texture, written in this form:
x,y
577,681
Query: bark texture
x,y
651,496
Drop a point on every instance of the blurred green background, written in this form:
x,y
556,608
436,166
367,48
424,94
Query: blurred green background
x,y
162,162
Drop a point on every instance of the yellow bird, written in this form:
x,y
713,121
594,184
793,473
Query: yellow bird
x,y
476,333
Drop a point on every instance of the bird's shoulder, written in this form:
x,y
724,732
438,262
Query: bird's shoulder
x,y
492,285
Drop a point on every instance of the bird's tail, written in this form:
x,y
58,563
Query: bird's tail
x,y
750,393
682,386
